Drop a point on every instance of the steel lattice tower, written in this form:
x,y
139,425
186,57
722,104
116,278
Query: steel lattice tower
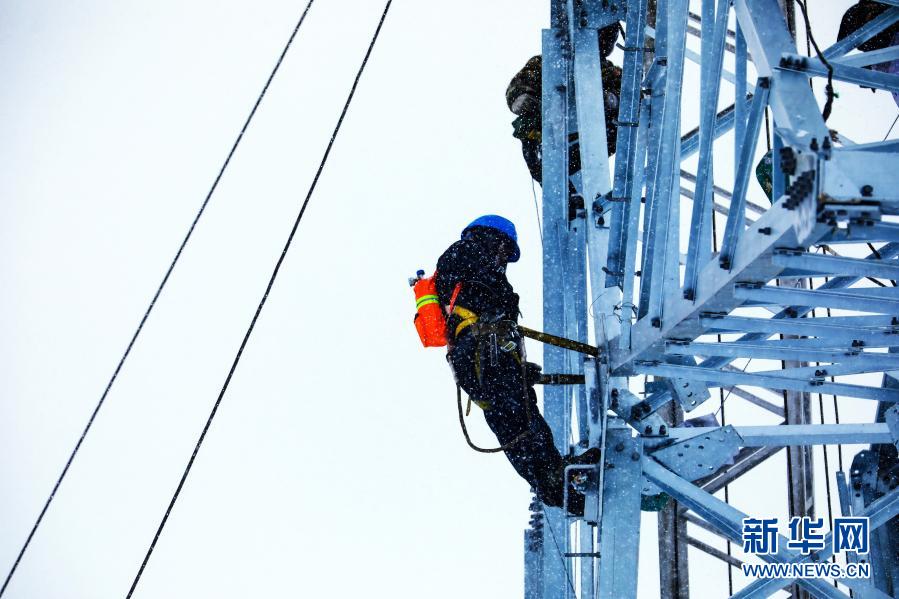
x,y
759,305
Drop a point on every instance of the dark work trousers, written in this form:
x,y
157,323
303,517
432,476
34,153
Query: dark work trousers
x,y
509,409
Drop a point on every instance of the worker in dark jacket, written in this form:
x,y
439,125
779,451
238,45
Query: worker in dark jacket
x,y
487,355
859,15
523,96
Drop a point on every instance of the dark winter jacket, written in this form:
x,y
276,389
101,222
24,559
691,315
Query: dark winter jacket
x,y
485,289
859,15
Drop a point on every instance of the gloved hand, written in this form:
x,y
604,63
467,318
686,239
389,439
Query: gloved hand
x,y
532,373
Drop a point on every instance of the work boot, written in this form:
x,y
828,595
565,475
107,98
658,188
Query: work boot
x,y
575,504
576,499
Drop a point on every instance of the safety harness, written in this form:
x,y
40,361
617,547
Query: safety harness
x,y
504,336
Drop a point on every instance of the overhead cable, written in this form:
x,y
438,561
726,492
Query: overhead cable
x,y
259,308
156,295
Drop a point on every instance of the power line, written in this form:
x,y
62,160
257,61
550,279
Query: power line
x,y
890,130
265,295
156,295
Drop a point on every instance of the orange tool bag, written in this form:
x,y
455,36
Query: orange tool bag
x,y
430,320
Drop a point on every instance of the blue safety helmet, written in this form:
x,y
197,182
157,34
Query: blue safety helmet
x,y
503,225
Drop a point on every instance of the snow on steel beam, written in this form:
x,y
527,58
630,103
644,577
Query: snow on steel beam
x,y
865,300
771,352
869,362
831,265
783,435
768,380
836,329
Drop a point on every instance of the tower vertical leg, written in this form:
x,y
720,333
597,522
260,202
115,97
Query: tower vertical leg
x,y
620,527
674,577
555,577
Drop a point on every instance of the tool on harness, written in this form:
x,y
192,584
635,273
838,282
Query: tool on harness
x,y
430,320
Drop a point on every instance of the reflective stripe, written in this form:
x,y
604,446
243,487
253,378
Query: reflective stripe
x,y
426,299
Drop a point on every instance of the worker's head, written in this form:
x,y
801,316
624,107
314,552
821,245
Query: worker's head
x,y
496,230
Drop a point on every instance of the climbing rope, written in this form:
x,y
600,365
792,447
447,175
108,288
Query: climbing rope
x,y
156,295
259,308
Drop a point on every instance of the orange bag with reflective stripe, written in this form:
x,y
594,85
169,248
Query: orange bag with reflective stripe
x,y
430,320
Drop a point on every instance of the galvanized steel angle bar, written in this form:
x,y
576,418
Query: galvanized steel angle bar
x,y
866,300
834,265
628,309
712,551
862,231
716,288
734,227
864,59
620,525
555,214
862,34
658,229
768,381
623,403
794,313
782,435
833,328
700,239
841,72
628,157
587,75
870,363
747,459
740,59
766,352
590,18
724,122
755,400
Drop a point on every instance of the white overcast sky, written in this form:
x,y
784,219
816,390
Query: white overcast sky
x,y
335,466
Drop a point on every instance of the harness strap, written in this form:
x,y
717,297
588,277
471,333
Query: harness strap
x,y
468,318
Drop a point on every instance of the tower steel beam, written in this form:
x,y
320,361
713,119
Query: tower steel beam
x,y
662,298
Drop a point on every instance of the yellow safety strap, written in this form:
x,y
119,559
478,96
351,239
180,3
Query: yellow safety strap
x,y
468,318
